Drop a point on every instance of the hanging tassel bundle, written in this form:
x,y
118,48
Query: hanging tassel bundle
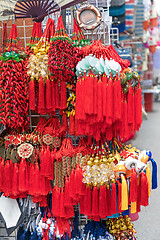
x,y
133,186
102,201
41,100
22,175
144,189
124,194
113,208
95,204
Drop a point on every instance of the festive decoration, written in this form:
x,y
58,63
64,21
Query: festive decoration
x,y
13,85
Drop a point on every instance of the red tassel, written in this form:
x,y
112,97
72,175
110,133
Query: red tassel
x,y
144,190
113,207
89,88
1,175
117,99
95,204
62,207
15,186
48,94
138,108
130,106
67,197
63,95
78,180
37,179
7,181
52,166
42,160
72,186
88,202
82,205
100,101
57,94
119,197
102,201
32,95
48,169
53,97
109,104
139,195
56,202
72,124
133,186
41,101
22,175
108,201
64,123
78,104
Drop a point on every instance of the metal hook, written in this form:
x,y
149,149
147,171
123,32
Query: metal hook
x,y
12,20
60,10
48,14
31,18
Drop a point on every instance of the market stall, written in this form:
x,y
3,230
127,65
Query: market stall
x,y
74,163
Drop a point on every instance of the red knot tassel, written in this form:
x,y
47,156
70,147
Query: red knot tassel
x,y
41,101
37,179
53,96
67,198
95,205
113,207
62,207
88,201
102,201
22,175
32,95
144,190
89,97
15,180
63,95
64,122
138,108
108,201
100,101
48,94
57,94
56,202
119,197
109,114
133,186
72,124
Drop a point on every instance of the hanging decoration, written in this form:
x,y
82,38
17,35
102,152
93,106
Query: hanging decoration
x,y
14,84
105,103
63,57
78,38
41,89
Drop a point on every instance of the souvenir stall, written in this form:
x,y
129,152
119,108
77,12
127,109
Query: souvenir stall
x,y
73,168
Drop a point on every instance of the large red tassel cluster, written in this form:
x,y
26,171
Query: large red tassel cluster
x,y
21,179
102,108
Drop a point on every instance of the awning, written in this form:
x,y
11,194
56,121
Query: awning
x,y
32,8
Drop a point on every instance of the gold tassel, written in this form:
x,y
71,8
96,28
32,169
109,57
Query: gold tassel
x,y
148,174
124,196
133,207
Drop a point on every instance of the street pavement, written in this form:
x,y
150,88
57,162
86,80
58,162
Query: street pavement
x,y
148,138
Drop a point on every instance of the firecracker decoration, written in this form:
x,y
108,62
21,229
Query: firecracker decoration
x,y
78,38
63,57
14,85
41,89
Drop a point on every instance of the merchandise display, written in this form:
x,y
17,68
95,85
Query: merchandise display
x,y
76,163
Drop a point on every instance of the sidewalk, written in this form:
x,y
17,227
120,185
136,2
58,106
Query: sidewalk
x,y
148,138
